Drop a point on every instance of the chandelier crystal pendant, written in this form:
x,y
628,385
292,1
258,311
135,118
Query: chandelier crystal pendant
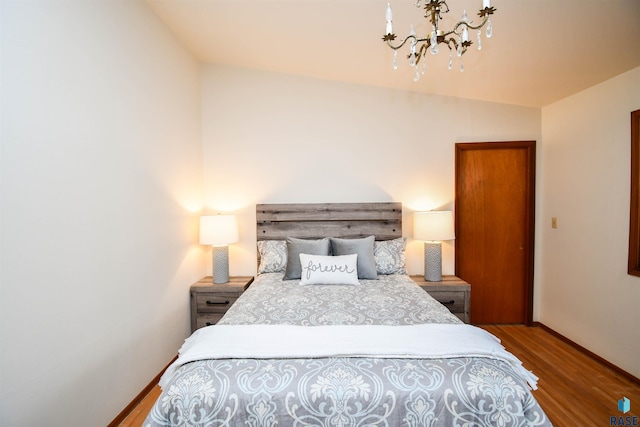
x,y
456,39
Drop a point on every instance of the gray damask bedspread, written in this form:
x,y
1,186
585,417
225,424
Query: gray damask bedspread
x,y
390,300
340,391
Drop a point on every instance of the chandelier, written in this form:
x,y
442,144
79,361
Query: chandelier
x,y
456,39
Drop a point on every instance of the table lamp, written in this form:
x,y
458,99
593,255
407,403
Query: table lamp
x,y
219,231
433,227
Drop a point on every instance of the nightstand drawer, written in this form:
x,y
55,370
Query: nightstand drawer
x,y
207,320
453,300
210,301
452,292
214,302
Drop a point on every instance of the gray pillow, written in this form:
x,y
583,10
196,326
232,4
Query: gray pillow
x,y
363,248
295,247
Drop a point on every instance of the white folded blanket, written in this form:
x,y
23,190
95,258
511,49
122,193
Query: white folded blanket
x,y
427,341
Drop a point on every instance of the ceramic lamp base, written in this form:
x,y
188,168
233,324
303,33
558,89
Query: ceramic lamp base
x,y
220,264
433,261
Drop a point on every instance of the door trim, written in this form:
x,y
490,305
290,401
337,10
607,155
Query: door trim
x,y
530,147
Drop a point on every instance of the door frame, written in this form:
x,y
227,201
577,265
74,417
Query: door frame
x,y
529,246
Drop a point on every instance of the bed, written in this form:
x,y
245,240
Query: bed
x,y
370,349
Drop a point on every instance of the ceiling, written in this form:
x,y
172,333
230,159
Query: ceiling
x,y
541,50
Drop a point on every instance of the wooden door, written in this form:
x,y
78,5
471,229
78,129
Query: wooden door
x,y
494,218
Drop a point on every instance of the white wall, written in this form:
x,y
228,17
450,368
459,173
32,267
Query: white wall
x,y
101,175
273,138
586,293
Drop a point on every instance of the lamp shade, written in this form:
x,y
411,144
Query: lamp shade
x,y
218,230
433,226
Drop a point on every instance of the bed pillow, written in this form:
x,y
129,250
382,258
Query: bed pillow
x,y
329,270
389,256
273,256
295,247
363,248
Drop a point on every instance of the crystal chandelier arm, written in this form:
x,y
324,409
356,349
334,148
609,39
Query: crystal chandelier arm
x,y
449,41
421,53
485,18
403,42
483,13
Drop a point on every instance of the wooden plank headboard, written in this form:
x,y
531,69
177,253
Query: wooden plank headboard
x,y
317,220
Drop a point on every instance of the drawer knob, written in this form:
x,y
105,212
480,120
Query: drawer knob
x,y
450,302
217,302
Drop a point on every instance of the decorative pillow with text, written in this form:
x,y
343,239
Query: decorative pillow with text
x,y
329,270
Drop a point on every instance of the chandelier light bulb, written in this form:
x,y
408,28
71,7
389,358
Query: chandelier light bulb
x,y
389,17
412,51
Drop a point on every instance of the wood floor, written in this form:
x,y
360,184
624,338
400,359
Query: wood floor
x,y
574,389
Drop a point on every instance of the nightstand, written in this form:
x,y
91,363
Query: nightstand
x,y
452,292
209,301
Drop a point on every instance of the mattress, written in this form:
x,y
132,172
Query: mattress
x,y
343,387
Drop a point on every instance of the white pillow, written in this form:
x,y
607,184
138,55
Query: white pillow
x,y
329,270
